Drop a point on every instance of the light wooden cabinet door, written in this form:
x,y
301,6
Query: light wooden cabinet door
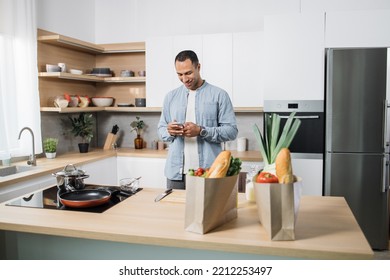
x,y
294,57
159,70
218,61
150,169
248,67
358,29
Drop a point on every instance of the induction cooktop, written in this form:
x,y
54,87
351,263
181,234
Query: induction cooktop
x,y
47,199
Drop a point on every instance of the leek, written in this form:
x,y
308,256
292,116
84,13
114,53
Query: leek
x,y
273,141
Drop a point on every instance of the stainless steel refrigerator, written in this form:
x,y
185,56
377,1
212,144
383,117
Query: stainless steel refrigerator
x,y
357,137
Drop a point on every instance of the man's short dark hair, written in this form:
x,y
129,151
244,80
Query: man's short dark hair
x,y
187,54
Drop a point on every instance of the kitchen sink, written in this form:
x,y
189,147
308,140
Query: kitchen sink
x,y
11,170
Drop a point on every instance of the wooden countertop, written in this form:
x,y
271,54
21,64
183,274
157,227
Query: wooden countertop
x,y
325,229
47,166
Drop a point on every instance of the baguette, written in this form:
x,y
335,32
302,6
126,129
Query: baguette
x,y
283,167
220,165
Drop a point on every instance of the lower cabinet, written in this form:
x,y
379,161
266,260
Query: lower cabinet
x,y
24,187
150,169
311,172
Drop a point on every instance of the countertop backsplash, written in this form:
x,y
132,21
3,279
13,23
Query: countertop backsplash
x,y
56,125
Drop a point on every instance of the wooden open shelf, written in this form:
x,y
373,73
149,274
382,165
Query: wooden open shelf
x,y
91,78
133,109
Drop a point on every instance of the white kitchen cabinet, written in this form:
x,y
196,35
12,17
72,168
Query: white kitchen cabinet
x,y
150,169
218,61
233,62
160,64
102,172
159,70
25,187
311,172
248,67
357,29
294,57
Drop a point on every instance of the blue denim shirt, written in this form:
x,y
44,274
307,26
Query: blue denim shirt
x,y
213,110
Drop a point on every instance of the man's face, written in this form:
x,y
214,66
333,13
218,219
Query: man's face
x,y
188,74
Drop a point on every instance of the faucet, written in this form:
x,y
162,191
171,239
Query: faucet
x,y
33,160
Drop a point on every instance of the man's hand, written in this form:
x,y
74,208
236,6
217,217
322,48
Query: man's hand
x,y
191,129
175,128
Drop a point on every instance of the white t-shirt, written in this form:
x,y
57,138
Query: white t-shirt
x,y
191,157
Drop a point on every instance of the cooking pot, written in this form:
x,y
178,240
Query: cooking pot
x,y
70,178
84,198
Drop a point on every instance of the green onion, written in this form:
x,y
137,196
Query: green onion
x,y
271,144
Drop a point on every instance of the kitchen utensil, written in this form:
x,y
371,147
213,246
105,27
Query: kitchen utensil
x,y
53,68
70,178
140,102
101,72
62,66
162,195
102,101
129,184
111,138
84,198
76,71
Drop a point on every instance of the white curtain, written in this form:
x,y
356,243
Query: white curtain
x,y
19,97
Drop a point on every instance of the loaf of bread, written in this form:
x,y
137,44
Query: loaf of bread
x,y
220,165
283,167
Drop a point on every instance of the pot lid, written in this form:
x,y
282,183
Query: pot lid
x,y
70,170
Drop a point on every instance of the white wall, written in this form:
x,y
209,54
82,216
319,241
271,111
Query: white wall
x,y
116,21
73,18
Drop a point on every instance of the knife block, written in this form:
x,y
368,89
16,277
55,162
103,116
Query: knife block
x,y
110,139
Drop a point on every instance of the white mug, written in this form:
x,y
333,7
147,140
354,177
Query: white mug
x,y
241,144
63,66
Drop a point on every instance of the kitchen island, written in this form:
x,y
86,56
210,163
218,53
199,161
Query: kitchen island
x,y
139,228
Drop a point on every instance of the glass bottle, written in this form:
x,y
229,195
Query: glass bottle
x,y
249,189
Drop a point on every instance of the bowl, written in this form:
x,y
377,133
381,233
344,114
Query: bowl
x,y
101,71
102,101
53,68
76,71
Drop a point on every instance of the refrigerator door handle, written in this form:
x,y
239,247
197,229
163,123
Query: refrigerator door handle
x,y
385,185
386,134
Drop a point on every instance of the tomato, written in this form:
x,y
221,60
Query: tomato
x,y
266,177
199,171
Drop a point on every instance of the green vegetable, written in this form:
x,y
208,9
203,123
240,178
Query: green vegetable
x,y
234,167
191,172
272,143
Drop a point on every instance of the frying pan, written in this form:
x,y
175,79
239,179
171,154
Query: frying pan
x,y
85,198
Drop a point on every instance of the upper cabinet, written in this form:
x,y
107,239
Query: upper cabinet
x,y
357,29
228,60
294,56
76,54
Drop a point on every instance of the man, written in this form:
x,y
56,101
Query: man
x,y
196,118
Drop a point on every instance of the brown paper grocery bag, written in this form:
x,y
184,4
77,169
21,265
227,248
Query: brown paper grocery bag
x,y
210,202
277,206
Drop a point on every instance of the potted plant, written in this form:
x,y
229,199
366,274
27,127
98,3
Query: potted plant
x,y
137,126
50,147
82,126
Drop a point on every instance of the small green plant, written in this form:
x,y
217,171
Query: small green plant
x,y
83,126
137,125
50,145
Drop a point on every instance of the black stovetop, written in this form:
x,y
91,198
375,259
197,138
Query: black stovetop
x,y
47,199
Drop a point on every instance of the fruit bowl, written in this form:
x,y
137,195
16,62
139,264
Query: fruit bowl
x,y
102,101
